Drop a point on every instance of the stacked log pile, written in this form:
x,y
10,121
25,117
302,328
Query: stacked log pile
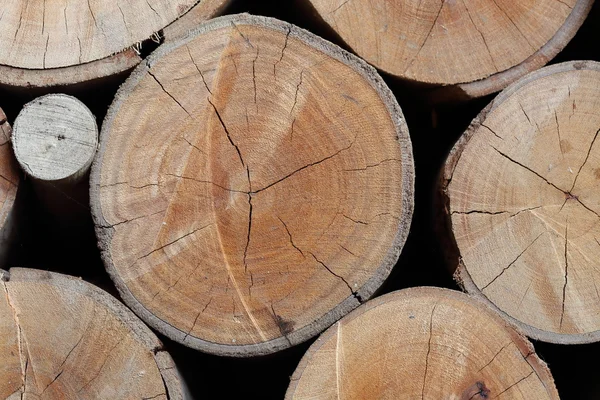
x,y
253,189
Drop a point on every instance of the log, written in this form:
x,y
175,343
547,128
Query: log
x,y
454,50
67,44
55,138
203,11
9,185
520,204
63,338
427,343
254,183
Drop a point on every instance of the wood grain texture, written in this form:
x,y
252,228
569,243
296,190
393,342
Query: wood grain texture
x,y
63,338
469,47
426,343
203,11
64,43
73,76
522,207
55,138
254,183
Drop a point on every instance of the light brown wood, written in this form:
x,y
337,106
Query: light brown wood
x,y
63,338
469,47
9,185
203,11
522,204
72,76
63,43
426,343
254,183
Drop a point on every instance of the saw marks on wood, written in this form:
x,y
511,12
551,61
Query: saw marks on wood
x,y
449,42
254,184
422,343
522,189
64,339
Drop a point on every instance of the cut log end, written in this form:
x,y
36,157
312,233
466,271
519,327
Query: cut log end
x,y
470,48
254,184
55,138
74,45
522,205
426,343
64,338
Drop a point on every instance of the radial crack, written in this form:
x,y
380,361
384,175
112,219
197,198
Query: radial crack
x,y
168,94
237,149
495,355
585,160
492,131
207,182
514,384
97,374
297,90
564,291
304,167
173,242
528,169
513,262
515,25
428,350
285,44
560,146
254,76
426,37
340,6
249,232
198,69
337,276
482,36
19,337
290,237
356,221
241,34
372,165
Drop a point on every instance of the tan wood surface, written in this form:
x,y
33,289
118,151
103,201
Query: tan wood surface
x,y
201,12
254,183
62,42
475,47
422,343
523,206
63,338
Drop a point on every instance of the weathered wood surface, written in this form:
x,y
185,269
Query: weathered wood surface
x,y
425,343
465,48
63,338
522,206
254,183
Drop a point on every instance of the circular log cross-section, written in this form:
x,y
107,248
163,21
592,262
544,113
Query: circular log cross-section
x,y
67,42
422,343
471,47
254,183
63,338
55,138
522,204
